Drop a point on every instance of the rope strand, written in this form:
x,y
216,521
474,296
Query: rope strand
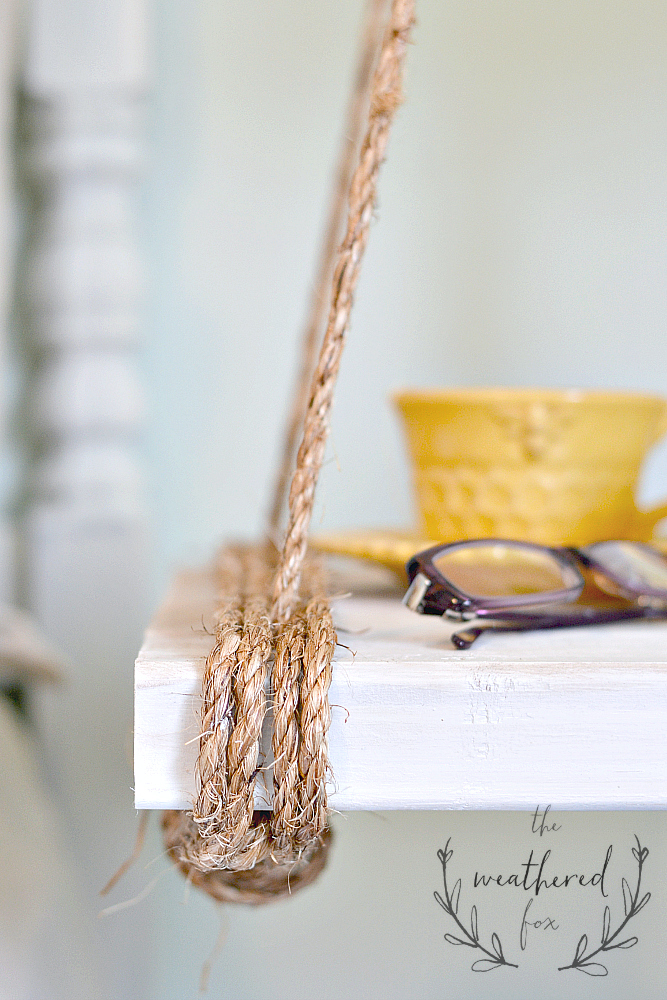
x,y
357,112
385,98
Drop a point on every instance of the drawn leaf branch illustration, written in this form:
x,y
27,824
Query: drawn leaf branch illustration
x,y
470,938
632,904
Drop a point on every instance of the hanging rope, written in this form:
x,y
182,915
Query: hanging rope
x,y
320,300
385,99
274,621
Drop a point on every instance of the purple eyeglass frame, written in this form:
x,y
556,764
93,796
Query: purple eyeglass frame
x,y
431,593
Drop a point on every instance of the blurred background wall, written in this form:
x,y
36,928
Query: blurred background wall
x,y
521,239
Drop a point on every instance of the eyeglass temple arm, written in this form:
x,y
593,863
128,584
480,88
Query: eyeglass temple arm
x,y
526,622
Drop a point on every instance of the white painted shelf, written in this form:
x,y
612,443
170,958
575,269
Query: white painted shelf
x,y
574,717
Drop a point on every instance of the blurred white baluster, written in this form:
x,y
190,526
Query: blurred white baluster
x,y
84,296
85,529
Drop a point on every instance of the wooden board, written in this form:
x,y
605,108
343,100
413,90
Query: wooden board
x,y
573,717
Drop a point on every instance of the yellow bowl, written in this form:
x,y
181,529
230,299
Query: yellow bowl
x,y
557,467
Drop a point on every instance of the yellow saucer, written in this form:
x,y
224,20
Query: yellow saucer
x,y
392,547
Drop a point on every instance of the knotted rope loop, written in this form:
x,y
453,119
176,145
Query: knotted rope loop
x,y
225,845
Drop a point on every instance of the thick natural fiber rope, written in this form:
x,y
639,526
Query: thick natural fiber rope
x,y
221,833
320,300
385,99
264,883
224,846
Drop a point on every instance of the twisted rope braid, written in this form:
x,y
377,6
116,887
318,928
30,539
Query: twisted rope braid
x,y
217,703
385,99
315,718
320,300
287,670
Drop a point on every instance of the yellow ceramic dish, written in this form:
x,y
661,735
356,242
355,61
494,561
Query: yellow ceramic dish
x,y
556,467
390,548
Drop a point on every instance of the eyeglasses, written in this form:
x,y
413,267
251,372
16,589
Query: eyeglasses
x,y
492,583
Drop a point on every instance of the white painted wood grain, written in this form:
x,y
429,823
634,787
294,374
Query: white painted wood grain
x,y
574,717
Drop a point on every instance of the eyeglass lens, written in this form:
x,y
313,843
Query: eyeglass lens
x,y
635,566
499,569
